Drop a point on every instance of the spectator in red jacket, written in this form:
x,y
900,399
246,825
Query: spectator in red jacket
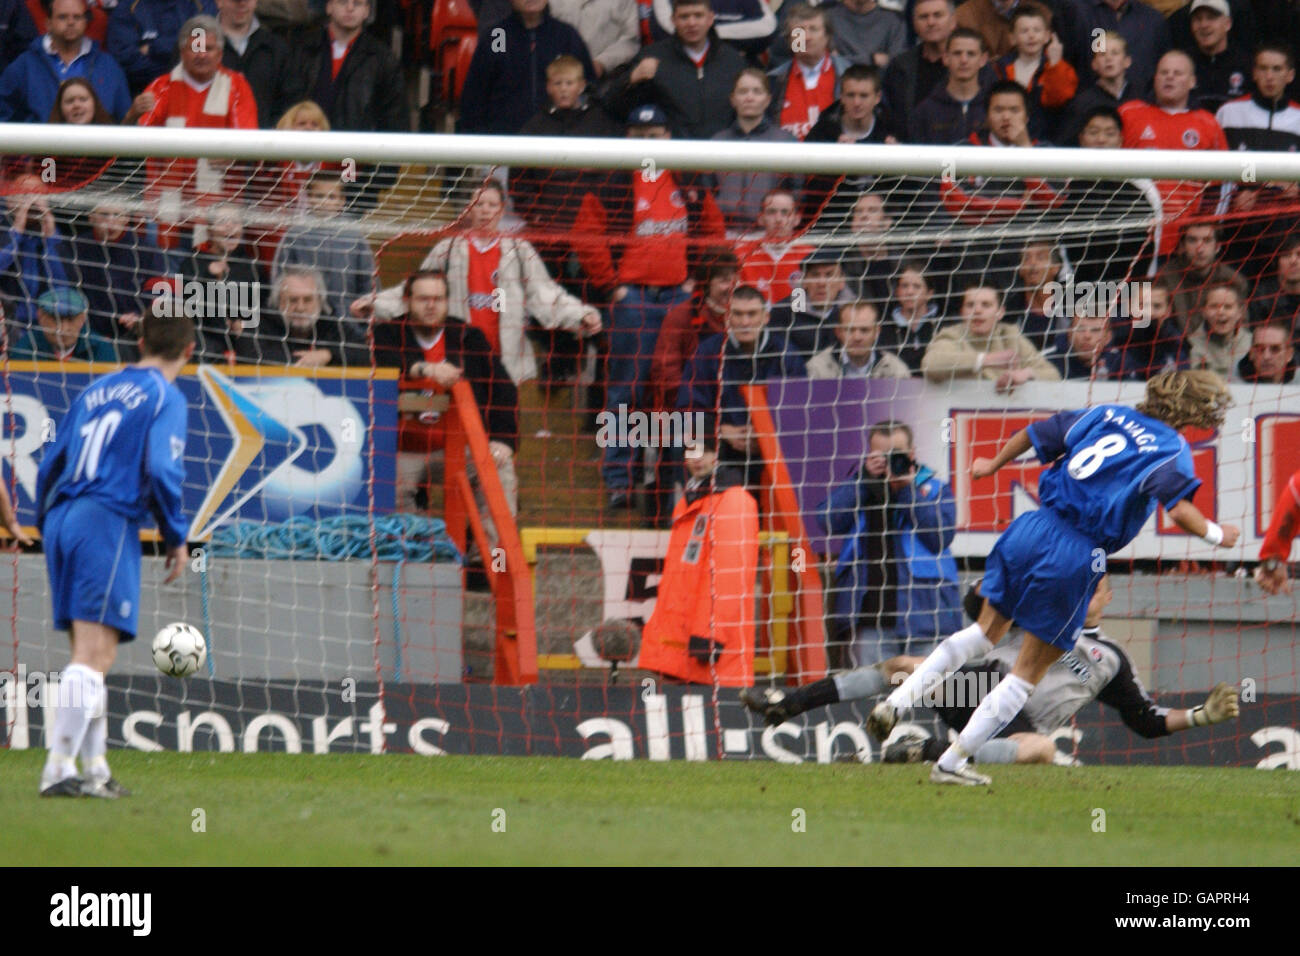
x,y
771,263
1171,123
199,93
633,236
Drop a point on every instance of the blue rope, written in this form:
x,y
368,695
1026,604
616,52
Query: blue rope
x,y
398,537
207,620
397,624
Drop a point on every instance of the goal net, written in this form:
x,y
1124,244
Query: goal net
x,y
545,558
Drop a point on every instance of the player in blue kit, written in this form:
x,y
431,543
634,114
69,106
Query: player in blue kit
x,y
1110,465
118,457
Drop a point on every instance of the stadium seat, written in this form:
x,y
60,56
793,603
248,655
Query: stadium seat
x,y
415,26
453,35
455,63
448,19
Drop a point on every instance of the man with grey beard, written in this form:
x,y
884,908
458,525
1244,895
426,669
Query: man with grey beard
x,y
299,330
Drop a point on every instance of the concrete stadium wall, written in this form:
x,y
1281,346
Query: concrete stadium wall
x,y
1190,632
284,620
307,620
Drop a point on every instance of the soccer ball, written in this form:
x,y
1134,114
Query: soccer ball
x,y
179,650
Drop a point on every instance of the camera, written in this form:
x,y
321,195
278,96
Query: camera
x,y
900,464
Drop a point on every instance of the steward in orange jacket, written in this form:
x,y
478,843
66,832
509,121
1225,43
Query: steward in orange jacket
x,y
702,628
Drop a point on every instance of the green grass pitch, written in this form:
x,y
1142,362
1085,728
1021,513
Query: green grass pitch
x,y
272,809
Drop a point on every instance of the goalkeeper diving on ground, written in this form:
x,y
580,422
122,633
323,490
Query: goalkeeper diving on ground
x,y
1096,669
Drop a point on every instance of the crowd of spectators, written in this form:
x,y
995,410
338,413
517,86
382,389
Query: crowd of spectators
x,y
687,285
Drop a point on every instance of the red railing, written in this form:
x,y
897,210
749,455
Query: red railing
x,y
507,572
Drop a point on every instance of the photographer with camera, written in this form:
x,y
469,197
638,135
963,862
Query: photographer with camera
x,y
894,588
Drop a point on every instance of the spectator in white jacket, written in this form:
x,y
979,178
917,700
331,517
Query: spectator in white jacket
x,y
495,283
610,28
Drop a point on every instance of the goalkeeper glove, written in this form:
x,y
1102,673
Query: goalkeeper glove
x,y
1221,705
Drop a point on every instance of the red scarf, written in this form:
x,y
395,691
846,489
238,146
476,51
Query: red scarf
x,y
802,106
336,62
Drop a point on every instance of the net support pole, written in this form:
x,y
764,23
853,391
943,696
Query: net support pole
x,y
808,649
515,647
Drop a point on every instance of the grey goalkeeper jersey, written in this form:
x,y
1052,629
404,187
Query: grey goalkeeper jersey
x,y
1095,670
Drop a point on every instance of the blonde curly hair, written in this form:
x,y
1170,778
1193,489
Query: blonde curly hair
x,y
1197,398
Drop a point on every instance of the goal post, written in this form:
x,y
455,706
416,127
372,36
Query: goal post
x,y
585,153
339,600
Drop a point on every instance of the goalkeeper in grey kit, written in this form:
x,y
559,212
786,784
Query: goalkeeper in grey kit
x,y
1096,669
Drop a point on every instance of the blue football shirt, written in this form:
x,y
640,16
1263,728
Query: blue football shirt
x,y
121,444
1110,465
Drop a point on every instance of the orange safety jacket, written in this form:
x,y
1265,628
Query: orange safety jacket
x,y
705,606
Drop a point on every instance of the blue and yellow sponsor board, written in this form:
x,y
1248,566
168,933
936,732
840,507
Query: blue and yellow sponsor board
x,y
264,443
